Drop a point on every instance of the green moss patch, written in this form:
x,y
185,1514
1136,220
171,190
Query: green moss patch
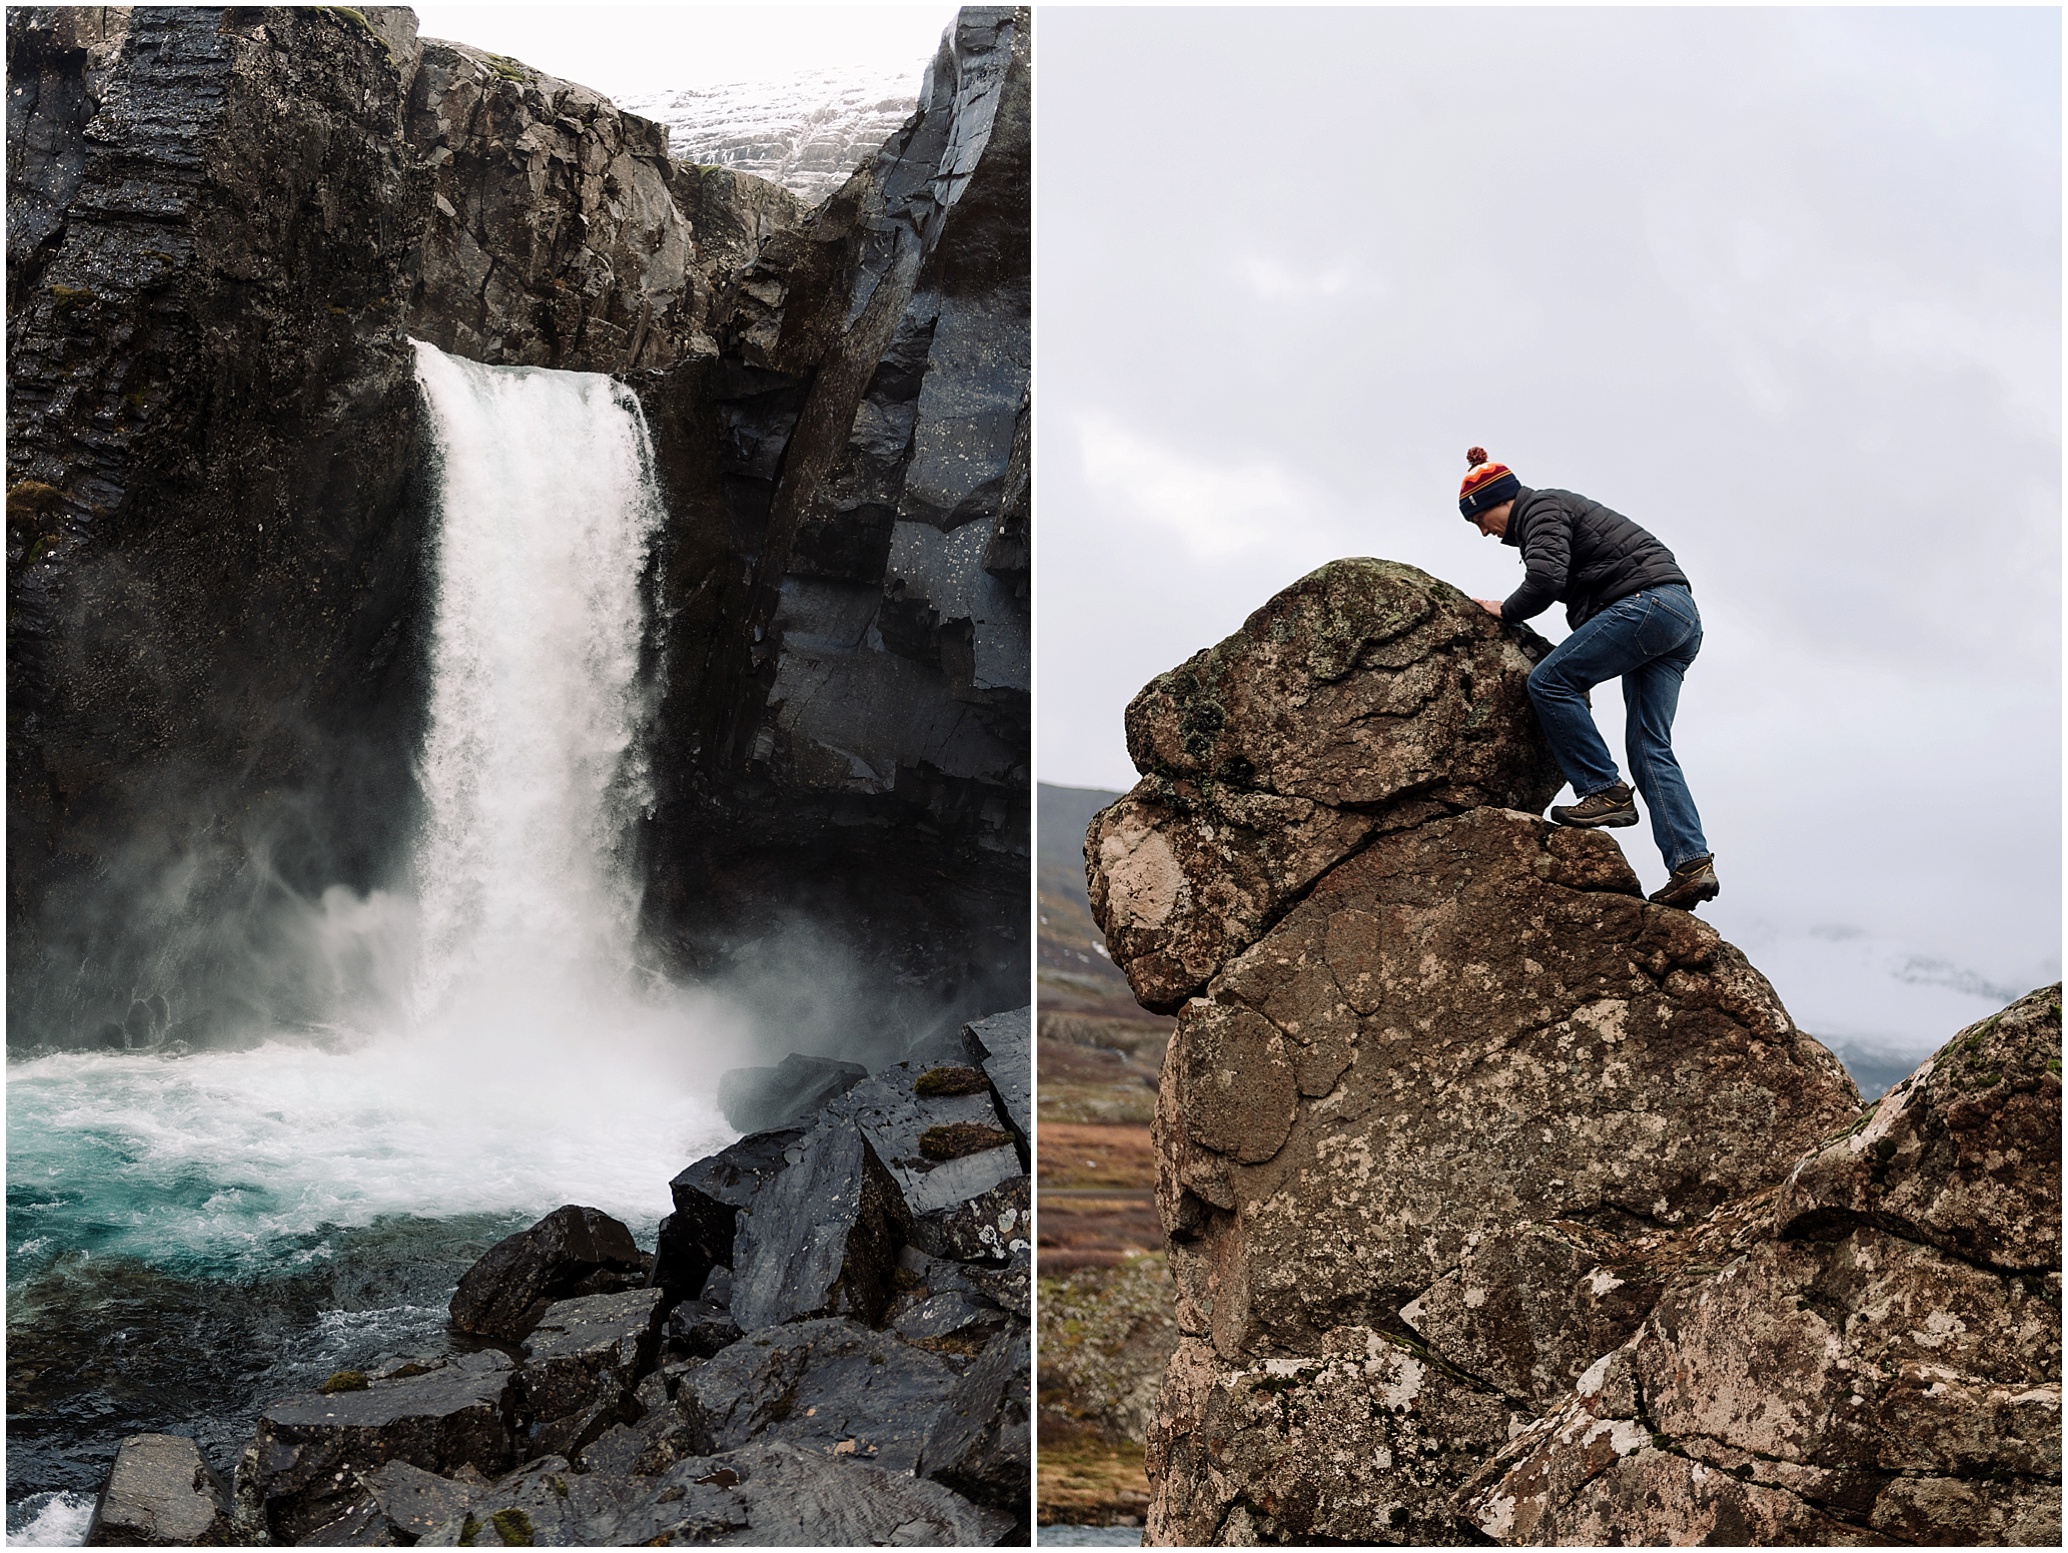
x,y
952,1081
956,1139
344,1380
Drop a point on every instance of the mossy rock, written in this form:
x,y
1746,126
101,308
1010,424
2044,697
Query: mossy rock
x,y
344,1380
956,1139
952,1081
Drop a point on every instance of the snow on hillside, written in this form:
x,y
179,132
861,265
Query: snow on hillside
x,y
806,131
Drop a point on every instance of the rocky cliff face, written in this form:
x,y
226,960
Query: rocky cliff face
x,y
846,662
224,226
213,524
1452,1113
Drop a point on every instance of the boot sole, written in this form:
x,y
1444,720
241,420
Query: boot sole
x,y
1694,898
1616,821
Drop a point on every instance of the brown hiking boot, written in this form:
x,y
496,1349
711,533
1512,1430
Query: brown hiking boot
x,y
1611,806
1692,883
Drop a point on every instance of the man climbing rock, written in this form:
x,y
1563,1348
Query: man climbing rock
x,y
1633,617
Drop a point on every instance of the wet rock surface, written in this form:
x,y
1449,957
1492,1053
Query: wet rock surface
x,y
847,673
162,1493
571,1251
757,1099
1502,1203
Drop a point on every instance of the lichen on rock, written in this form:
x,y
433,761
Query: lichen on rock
x,y
1503,1203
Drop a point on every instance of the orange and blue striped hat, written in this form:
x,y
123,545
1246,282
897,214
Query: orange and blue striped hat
x,y
1486,485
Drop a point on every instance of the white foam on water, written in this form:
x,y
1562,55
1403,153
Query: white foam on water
x,y
50,1521
517,1056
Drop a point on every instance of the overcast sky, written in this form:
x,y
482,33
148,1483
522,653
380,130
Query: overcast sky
x,y
626,50
1783,286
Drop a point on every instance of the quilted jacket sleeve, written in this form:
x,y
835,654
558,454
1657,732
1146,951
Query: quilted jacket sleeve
x,y
1547,553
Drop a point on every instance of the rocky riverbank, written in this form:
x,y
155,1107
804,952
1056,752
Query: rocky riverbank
x,y
829,1345
1504,1204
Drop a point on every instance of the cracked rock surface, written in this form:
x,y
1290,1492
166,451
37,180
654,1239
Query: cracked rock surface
x,y
1503,1204
1877,1359
1366,696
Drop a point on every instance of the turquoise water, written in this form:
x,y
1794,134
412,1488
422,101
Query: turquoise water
x,y
189,1237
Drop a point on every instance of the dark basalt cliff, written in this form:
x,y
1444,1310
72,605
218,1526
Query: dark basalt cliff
x,y
852,472
225,224
1503,1203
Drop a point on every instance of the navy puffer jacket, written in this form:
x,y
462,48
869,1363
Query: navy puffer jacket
x,y
1582,555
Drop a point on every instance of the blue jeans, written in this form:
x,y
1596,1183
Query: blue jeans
x,y
1648,639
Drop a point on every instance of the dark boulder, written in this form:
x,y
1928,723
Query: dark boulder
x,y
1007,1042
828,1385
571,1252
161,1493
698,1236
584,1358
936,1130
822,1236
297,1473
981,1443
795,1089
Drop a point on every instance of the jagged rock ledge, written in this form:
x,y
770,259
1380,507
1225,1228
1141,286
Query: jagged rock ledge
x,y
1504,1204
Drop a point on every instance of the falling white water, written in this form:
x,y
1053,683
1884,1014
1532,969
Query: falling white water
x,y
518,1059
532,768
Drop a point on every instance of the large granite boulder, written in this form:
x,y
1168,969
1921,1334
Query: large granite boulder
x,y
1441,1078
1365,697
1876,1359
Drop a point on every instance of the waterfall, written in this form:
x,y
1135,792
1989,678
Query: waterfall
x,y
532,767
512,1056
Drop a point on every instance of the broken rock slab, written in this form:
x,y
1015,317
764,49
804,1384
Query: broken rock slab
x,y
757,1099
1877,1358
581,1364
828,1385
937,1131
1007,1042
161,1493
572,1251
296,1474
981,1442
823,1233
698,1236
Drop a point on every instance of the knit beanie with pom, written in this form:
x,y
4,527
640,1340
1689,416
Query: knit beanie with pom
x,y
1487,485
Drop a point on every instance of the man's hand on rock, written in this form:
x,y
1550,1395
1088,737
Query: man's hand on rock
x,y
1491,606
